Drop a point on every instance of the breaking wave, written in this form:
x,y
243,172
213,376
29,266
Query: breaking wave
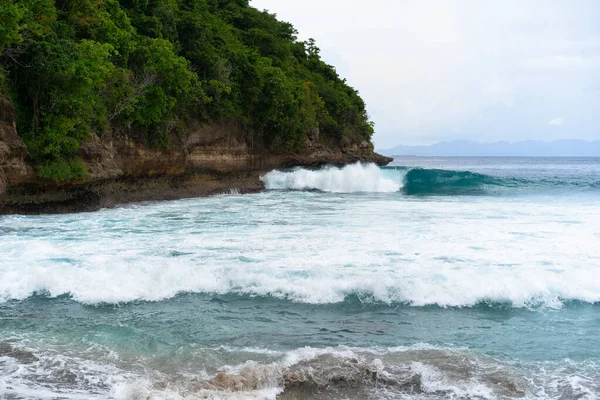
x,y
120,282
430,181
308,251
349,179
359,177
448,182
415,372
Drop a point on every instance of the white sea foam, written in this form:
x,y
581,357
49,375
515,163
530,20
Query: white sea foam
x,y
349,179
51,375
112,280
414,372
312,248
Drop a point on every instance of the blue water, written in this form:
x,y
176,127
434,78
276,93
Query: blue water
x,y
433,278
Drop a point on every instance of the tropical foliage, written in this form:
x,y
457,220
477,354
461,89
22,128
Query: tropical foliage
x,y
72,67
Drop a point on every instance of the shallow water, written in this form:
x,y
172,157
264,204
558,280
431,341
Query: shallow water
x,y
434,278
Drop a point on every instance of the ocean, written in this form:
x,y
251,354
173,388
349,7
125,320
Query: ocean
x,y
433,278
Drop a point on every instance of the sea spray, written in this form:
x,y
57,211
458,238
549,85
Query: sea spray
x,y
369,178
414,372
352,178
310,248
306,294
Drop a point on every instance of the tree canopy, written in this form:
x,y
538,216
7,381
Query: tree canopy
x,y
72,67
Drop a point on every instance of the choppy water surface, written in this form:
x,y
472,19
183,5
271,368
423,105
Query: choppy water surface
x,y
433,278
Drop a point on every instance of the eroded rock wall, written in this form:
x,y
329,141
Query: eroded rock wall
x,y
13,168
202,160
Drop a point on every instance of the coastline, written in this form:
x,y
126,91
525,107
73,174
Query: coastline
x,y
203,160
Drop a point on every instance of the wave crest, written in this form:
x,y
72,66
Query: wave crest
x,y
352,178
419,180
356,178
538,289
415,372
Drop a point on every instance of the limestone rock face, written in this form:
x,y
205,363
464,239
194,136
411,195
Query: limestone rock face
x,y
201,160
13,168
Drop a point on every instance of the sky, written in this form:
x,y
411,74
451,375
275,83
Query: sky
x,y
483,70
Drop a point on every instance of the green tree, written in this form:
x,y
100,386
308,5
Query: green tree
x,y
73,67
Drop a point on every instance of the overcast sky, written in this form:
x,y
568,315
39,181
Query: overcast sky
x,y
483,70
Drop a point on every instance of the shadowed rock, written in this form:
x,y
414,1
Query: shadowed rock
x,y
202,160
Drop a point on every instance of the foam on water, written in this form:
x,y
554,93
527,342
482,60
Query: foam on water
x,y
368,178
444,247
414,372
108,280
30,374
349,179
311,248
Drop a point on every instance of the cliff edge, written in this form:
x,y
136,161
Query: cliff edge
x,y
202,160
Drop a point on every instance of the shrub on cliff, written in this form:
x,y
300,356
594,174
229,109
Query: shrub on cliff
x,y
76,66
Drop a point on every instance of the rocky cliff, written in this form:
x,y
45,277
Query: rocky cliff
x,y
13,168
203,160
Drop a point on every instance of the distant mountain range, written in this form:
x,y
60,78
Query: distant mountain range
x,y
573,148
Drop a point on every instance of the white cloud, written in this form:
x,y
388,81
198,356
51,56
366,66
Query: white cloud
x,y
564,61
556,121
431,70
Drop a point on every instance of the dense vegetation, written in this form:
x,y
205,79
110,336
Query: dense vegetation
x,y
72,67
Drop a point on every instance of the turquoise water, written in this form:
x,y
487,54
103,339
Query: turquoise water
x,y
433,278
